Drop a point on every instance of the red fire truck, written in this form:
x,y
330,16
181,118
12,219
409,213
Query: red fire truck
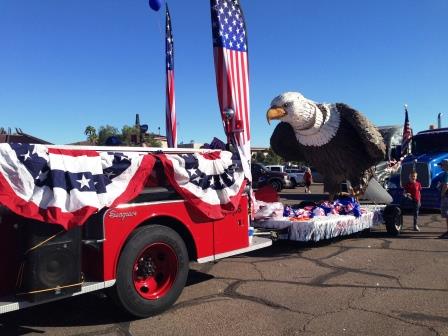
x,y
139,251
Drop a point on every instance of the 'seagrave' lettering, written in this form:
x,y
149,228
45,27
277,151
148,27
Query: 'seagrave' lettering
x,y
122,215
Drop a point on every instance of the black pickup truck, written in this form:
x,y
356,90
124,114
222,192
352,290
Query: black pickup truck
x,y
262,176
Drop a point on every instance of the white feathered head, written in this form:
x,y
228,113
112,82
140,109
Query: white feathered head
x,y
295,109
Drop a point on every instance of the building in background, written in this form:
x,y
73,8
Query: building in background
x,y
192,144
7,136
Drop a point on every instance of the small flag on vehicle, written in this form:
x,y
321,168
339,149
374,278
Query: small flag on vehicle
x,y
407,134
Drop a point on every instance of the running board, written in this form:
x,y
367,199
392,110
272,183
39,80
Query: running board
x,y
257,243
9,303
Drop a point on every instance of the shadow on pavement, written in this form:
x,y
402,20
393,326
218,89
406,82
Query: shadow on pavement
x,y
195,277
84,310
282,248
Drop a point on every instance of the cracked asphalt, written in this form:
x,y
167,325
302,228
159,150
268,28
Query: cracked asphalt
x,y
366,284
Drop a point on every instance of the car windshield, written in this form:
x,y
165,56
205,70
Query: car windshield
x,y
430,143
260,166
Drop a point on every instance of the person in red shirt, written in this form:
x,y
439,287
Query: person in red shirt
x,y
308,179
412,191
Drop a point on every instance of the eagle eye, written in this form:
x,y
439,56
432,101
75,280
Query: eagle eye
x,y
287,104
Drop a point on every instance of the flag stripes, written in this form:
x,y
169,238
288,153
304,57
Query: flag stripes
x,y
232,77
170,110
171,123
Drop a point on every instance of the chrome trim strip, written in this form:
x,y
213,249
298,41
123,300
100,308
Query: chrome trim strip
x,y
257,243
130,205
7,304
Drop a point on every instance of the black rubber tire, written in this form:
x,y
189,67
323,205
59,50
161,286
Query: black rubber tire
x,y
393,218
276,184
124,292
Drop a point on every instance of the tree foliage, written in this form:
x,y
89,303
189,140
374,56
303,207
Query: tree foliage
x,y
129,136
92,137
106,132
126,135
151,141
270,158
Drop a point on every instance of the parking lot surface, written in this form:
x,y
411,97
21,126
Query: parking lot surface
x,y
369,284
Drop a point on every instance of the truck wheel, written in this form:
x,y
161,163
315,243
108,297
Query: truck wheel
x,y
393,218
152,271
276,184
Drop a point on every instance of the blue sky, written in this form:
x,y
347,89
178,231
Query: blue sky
x,y
68,64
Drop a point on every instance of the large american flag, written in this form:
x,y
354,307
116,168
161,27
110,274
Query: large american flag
x,y
407,134
232,77
171,127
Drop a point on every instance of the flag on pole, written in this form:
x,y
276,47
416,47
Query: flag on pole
x,y
232,77
407,133
171,128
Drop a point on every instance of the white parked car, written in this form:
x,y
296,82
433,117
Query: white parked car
x,y
295,174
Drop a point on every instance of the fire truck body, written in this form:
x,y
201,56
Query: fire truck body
x,y
140,249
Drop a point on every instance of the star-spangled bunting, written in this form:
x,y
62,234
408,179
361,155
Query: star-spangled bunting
x,y
65,186
207,180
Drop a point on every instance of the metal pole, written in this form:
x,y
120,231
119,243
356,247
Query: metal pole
x,y
439,120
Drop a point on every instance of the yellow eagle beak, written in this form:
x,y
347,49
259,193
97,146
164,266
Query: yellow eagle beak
x,y
275,113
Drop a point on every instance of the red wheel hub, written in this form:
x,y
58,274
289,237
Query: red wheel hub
x,y
155,271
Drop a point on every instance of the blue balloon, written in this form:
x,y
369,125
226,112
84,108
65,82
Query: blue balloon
x,y
155,4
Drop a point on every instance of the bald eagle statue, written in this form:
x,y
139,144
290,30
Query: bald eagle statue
x,y
333,138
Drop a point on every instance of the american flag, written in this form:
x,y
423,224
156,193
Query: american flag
x,y
407,134
171,127
65,186
232,77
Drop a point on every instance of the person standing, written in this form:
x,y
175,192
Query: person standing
x,y
308,179
412,191
443,192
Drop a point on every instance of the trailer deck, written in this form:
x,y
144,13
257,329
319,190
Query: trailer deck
x,y
323,227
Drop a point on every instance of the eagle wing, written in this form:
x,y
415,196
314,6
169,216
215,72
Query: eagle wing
x,y
369,134
284,143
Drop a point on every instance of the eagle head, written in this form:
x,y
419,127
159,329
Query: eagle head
x,y
293,108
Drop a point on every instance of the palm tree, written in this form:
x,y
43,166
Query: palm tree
x,y
92,137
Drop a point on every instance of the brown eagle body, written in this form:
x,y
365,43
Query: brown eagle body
x,y
349,155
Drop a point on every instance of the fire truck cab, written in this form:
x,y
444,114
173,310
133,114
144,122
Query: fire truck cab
x,y
139,251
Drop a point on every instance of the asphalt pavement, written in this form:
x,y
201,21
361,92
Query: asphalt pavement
x,y
366,284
